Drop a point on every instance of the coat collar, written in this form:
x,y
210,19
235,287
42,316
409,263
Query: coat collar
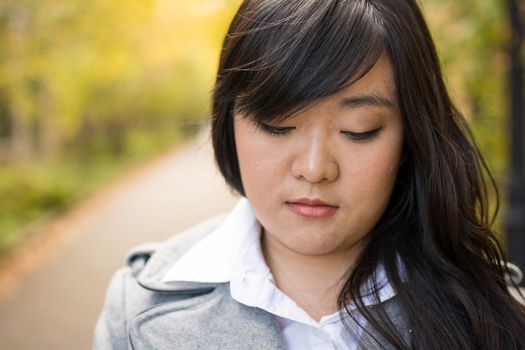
x,y
208,321
151,265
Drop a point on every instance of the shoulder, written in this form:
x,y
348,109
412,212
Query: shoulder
x,y
138,285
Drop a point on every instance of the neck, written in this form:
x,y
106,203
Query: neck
x,y
312,281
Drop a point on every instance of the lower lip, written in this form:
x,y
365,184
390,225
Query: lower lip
x,y
312,211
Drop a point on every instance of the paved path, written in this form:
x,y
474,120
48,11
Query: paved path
x,y
56,306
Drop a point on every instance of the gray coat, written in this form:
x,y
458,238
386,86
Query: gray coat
x,y
142,312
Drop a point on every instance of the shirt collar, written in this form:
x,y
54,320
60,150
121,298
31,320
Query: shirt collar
x,y
211,260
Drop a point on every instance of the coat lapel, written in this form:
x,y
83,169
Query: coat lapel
x,y
370,339
209,321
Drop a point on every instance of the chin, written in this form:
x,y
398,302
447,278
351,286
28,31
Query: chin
x,y
313,246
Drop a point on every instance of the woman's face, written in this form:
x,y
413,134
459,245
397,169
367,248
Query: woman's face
x,y
320,180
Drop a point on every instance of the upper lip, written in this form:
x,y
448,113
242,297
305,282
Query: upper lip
x,y
310,201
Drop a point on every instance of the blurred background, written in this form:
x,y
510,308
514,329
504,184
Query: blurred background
x,y
103,145
90,88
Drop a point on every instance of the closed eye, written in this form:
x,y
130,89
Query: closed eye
x,y
361,136
274,130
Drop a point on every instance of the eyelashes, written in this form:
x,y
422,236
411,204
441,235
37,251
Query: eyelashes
x,y
284,130
361,136
272,129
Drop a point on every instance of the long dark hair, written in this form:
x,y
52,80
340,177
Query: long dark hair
x,y
280,56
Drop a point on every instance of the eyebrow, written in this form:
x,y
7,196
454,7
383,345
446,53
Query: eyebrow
x,y
366,100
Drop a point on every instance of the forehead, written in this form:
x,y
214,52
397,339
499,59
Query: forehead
x,y
378,81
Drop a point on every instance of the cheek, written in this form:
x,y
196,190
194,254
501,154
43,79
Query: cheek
x,y
259,161
385,164
377,172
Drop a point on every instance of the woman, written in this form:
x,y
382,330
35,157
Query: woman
x,y
364,222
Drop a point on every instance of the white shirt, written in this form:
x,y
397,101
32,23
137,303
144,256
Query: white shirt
x,y
233,254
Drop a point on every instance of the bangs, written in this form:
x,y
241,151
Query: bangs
x,y
284,55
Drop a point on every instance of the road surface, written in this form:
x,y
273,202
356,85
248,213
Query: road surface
x,y
56,306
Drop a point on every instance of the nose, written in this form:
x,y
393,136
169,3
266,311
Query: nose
x,y
315,161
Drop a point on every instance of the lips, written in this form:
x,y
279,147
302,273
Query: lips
x,y
311,208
